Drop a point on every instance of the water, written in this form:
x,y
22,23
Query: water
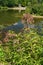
x,y
9,17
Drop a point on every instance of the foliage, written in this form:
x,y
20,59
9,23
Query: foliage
x,y
26,48
35,6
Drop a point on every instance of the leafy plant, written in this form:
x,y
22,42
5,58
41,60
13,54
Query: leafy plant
x,y
25,49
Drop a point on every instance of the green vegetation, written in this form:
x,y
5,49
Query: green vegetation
x,y
34,7
26,48
12,3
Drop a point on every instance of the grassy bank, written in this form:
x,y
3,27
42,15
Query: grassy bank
x,y
25,48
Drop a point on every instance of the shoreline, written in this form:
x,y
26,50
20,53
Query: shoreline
x,y
34,16
37,16
20,8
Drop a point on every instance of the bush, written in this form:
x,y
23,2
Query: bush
x,y
26,48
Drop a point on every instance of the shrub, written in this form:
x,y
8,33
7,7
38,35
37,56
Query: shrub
x,y
26,48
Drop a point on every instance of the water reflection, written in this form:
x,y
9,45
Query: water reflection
x,y
9,17
39,27
17,27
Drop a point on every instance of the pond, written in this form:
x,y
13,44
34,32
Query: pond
x,y
26,45
9,17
